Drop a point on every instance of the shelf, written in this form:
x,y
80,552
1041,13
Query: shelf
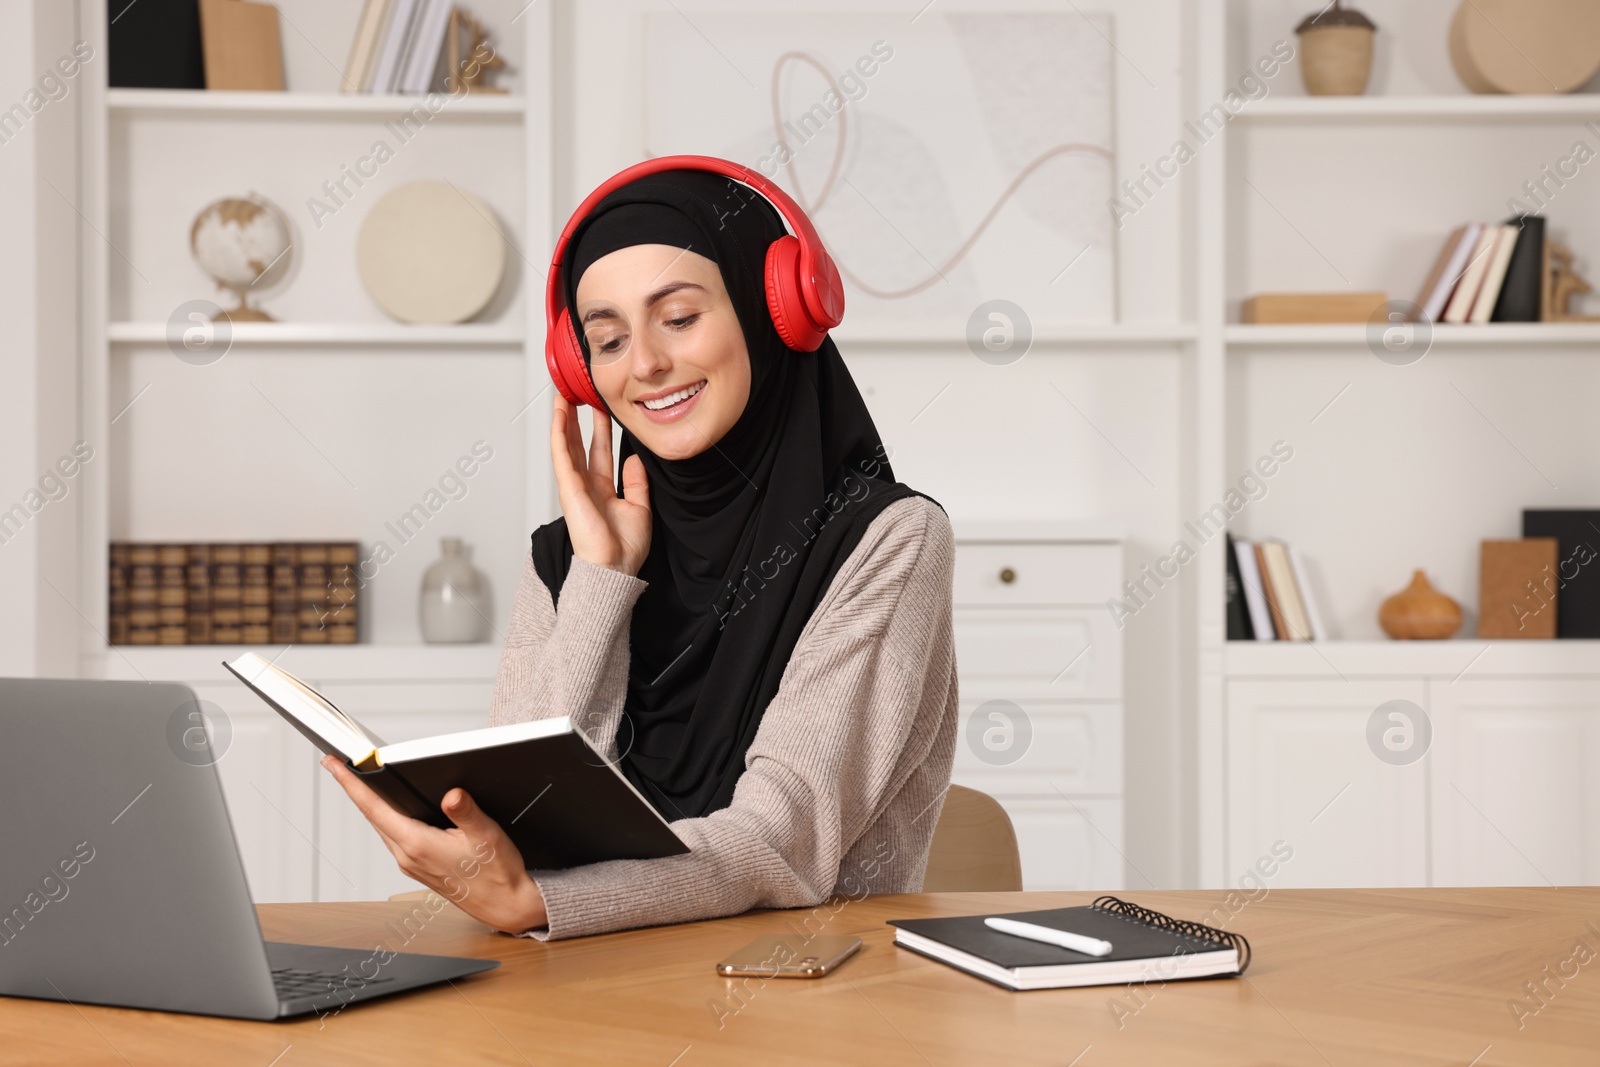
x,y
1046,335
1462,658
352,334
304,105
1412,108
317,663
1548,334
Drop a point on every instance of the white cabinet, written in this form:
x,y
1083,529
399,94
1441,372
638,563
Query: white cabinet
x,y
1516,782
1507,791
1301,772
265,767
1040,667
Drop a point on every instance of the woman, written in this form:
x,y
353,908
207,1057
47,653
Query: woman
x,y
756,630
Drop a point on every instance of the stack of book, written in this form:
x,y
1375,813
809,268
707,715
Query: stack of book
x,y
230,593
1487,272
1269,598
397,46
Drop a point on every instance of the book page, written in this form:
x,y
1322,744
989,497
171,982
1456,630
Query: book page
x,y
293,698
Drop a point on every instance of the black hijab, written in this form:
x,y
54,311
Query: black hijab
x,y
747,534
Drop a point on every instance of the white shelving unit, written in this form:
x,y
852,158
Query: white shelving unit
x,y
1394,467
332,341
331,423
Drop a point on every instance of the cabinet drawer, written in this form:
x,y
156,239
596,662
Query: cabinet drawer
x,y
1064,573
1065,653
1039,746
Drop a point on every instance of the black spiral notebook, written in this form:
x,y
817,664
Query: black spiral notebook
x,y
1145,945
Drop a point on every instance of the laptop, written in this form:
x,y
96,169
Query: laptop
x,y
120,880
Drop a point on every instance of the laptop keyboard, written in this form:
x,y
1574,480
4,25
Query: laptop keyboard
x,y
292,983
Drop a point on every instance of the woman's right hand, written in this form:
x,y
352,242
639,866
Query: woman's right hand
x,y
606,529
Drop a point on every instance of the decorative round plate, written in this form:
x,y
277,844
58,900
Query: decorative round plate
x,y
431,252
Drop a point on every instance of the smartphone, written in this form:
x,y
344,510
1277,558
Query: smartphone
x,y
789,956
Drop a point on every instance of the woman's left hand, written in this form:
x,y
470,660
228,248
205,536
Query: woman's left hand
x,y
474,865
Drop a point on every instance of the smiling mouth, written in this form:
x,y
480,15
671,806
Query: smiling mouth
x,y
672,399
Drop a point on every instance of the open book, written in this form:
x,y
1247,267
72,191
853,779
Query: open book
x,y
546,785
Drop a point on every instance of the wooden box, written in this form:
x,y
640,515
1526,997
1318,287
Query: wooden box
x,y
1517,588
1282,308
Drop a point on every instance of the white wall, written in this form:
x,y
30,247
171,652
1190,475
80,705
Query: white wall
x,y
40,627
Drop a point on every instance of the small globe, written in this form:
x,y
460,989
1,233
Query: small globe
x,y
244,244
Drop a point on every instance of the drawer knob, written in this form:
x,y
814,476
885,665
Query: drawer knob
x,y
1007,575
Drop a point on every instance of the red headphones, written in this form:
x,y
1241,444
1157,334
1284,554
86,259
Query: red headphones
x,y
804,292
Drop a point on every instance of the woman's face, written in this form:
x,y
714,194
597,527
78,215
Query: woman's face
x,y
666,350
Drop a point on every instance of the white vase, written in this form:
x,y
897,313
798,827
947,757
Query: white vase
x,y
455,598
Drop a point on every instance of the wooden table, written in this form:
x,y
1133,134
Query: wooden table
x,y
1341,977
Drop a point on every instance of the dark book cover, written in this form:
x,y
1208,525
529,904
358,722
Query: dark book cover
x,y
172,598
1577,532
255,595
154,44
117,601
1520,291
227,593
1239,627
285,592
199,594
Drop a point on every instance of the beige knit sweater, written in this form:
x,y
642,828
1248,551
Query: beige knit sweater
x,y
846,775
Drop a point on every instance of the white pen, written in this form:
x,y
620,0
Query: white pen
x,y
1089,946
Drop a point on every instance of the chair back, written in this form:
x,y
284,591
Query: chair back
x,y
974,846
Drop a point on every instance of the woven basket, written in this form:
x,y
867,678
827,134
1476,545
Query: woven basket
x,y
1336,60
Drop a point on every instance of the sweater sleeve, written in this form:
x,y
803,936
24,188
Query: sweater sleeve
x,y
572,660
857,711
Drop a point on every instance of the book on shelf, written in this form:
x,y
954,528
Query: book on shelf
x,y
400,46
1460,305
242,46
562,803
1145,944
1254,597
1577,534
1446,271
1275,601
1521,294
1308,600
423,59
222,593
1240,626
154,45
374,22
1494,275
1487,272
387,52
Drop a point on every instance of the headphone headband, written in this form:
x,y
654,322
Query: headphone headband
x,y
804,290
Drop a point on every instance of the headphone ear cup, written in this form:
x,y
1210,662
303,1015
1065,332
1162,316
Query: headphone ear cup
x,y
564,359
785,298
